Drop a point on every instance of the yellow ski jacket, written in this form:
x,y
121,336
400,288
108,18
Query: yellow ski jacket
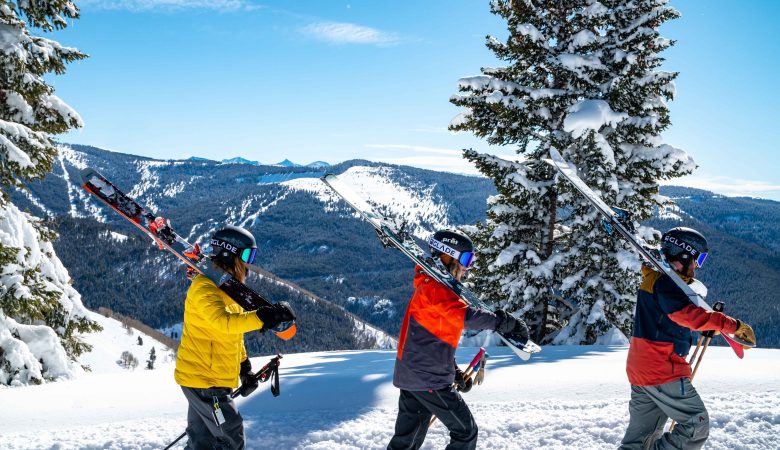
x,y
212,338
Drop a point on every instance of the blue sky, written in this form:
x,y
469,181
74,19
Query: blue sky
x,y
323,80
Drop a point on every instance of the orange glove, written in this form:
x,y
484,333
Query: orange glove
x,y
745,332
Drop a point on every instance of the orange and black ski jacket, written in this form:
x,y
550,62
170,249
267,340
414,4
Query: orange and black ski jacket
x,y
662,337
433,323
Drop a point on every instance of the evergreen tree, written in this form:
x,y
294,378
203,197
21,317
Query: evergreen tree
x,y
582,76
40,313
514,269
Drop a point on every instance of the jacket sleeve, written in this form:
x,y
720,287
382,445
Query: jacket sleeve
x,y
460,314
214,311
681,311
699,319
480,319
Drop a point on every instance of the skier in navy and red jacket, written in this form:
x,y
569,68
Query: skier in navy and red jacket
x,y
657,369
425,368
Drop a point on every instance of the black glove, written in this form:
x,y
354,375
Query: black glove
x,y
462,384
511,327
248,381
273,315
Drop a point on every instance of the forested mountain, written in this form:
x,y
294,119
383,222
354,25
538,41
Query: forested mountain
x,y
309,238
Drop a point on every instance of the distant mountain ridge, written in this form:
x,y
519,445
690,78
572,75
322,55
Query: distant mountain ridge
x,y
309,238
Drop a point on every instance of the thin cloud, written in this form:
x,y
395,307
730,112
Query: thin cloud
x,y
148,5
439,159
439,163
418,148
731,187
349,33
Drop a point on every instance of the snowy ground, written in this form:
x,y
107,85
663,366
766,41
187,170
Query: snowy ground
x,y
564,398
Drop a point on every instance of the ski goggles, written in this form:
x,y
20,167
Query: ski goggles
x,y
700,259
248,255
464,258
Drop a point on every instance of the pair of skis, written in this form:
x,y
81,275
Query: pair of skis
x,y
390,236
166,238
617,220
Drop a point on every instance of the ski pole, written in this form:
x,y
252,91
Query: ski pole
x,y
467,374
268,371
704,342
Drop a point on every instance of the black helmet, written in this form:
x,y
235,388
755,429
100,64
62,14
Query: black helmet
x,y
453,243
230,242
684,245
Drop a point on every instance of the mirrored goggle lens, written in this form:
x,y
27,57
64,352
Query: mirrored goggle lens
x,y
248,255
700,259
466,258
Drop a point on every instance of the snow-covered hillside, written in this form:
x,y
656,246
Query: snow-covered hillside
x,y
564,398
417,207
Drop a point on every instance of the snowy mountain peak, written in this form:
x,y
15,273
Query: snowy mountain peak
x,y
239,160
287,163
318,165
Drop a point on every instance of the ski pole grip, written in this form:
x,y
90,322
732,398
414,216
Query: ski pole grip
x,y
477,358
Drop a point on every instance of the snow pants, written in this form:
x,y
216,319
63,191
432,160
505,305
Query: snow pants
x,y
415,409
202,429
651,406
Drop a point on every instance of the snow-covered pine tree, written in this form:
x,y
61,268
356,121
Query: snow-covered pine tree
x,y
514,270
582,76
615,140
523,105
40,313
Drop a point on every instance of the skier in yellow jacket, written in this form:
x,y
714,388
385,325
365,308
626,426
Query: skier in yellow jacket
x,y
211,356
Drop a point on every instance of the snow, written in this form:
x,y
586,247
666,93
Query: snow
x,y
114,339
35,201
119,237
68,114
527,29
13,152
583,38
76,194
574,61
566,397
671,212
590,115
30,352
612,337
415,206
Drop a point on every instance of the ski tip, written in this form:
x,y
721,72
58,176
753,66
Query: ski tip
x,y
286,331
87,173
738,348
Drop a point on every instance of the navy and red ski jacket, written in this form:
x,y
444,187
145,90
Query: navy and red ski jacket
x,y
433,323
662,337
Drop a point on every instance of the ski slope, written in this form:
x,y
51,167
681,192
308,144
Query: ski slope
x,y
567,397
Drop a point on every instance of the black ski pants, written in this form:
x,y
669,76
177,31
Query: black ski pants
x,y
203,432
415,409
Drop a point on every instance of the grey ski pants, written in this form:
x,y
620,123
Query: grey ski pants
x,y
415,409
202,429
651,406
